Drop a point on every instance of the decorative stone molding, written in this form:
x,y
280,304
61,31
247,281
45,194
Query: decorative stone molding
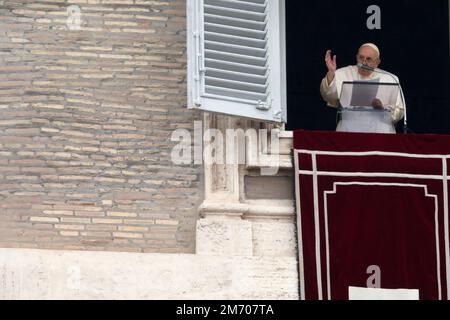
x,y
231,224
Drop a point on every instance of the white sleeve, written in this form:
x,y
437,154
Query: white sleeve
x,y
399,110
329,92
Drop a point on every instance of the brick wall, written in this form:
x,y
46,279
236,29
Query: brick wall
x,y
85,123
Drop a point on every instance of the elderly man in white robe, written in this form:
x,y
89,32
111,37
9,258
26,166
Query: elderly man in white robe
x,y
368,55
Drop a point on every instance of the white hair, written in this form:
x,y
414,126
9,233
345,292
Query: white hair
x,y
373,46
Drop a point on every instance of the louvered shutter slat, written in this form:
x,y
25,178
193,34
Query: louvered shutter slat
x,y
229,21
231,48
235,31
232,66
237,85
240,41
238,58
256,1
237,76
228,39
236,93
239,5
240,14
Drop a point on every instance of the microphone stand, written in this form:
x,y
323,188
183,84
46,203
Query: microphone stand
x,y
405,118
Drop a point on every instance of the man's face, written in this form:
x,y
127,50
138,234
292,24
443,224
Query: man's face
x,y
369,57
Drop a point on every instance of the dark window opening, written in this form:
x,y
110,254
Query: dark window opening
x,y
414,44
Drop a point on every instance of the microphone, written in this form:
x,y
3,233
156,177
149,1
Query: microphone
x,y
405,119
364,67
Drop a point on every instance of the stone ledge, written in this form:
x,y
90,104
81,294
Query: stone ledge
x,y
262,209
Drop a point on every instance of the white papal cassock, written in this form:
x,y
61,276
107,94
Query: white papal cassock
x,y
331,91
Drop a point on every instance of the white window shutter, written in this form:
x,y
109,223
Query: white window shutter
x,y
236,58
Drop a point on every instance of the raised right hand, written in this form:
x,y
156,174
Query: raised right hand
x,y
331,63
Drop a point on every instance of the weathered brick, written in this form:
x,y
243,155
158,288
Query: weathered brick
x,y
69,227
107,221
166,222
121,23
138,221
132,228
14,122
28,162
44,219
80,54
127,235
109,180
75,220
115,56
132,196
100,234
89,48
89,214
104,227
59,212
121,214
69,233
85,126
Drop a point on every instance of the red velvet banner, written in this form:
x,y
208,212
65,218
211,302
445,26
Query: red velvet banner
x,y
372,211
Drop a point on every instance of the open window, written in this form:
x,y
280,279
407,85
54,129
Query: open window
x,y
236,58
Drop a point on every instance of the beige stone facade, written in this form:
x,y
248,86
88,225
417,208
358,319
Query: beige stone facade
x,y
86,120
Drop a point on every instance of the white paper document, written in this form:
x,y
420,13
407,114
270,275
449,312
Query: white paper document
x,y
362,94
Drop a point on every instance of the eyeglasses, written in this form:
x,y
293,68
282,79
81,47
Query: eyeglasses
x,y
362,58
